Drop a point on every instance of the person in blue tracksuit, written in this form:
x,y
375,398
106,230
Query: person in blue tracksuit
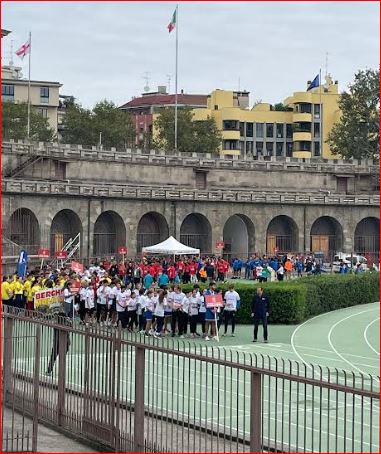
x,y
260,310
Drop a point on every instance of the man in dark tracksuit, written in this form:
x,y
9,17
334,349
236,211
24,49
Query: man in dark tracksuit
x,y
260,309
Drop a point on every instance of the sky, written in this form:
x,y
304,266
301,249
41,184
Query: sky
x,y
103,50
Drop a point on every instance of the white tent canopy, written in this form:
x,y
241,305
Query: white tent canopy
x,y
171,247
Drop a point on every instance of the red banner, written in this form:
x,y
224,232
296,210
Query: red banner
x,y
43,253
214,300
75,287
122,250
77,267
220,245
61,255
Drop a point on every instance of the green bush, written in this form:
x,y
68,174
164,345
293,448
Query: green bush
x,y
294,301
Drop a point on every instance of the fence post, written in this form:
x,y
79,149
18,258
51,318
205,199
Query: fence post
x,y
256,412
7,362
62,350
139,400
36,387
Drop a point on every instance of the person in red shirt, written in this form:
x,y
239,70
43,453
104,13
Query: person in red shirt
x,y
186,275
180,268
171,271
192,271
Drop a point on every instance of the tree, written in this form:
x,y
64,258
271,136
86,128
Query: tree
x,y
192,136
357,134
15,123
105,121
280,107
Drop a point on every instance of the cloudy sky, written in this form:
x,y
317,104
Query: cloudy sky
x,y
103,49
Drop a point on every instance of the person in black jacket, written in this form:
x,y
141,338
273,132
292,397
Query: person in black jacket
x,y
260,309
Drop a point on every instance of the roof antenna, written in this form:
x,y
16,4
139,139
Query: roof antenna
x,y
146,78
11,62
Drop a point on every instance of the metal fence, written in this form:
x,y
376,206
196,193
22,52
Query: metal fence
x,y
132,393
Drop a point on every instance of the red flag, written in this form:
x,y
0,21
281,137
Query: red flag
x,y
172,24
24,50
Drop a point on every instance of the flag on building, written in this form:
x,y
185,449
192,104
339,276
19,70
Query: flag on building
x,y
315,83
24,50
172,24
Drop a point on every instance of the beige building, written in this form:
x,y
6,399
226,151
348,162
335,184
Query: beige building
x,y
44,96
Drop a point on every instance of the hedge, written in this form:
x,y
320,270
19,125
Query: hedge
x,y
294,301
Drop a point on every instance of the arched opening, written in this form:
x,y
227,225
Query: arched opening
x,y
238,237
66,225
282,235
196,231
109,234
326,236
24,230
152,229
367,238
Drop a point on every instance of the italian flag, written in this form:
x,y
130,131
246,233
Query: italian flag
x,y
172,24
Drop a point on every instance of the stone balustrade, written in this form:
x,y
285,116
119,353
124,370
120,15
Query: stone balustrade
x,y
198,160
100,190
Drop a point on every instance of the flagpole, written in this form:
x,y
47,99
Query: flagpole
x,y
321,116
177,52
30,51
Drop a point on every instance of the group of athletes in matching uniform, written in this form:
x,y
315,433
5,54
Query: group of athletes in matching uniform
x,y
153,311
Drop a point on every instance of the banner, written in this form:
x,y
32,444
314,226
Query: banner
x,y
61,255
77,267
48,297
122,250
214,300
75,287
43,253
22,264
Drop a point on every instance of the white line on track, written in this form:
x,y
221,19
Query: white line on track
x,y
333,347
366,337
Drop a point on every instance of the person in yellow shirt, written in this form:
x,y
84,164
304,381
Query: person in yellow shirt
x,y
28,292
6,291
18,288
37,286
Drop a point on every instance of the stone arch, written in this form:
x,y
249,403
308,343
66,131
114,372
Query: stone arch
x,y
152,228
326,236
196,231
66,224
239,236
367,236
24,230
109,234
282,235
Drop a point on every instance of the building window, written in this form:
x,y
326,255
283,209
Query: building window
x,y
7,92
270,130
242,129
200,178
269,148
279,149
289,146
215,107
42,111
317,130
279,131
303,146
259,129
259,147
305,108
44,94
289,131
249,129
249,147
230,125
317,110
231,145
316,148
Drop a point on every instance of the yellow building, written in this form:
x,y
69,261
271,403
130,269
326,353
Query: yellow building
x,y
44,96
264,131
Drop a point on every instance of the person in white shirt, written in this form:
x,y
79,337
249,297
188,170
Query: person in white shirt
x,y
121,304
102,302
68,300
177,304
114,290
148,313
169,310
82,301
132,307
185,306
159,311
141,304
89,303
201,309
232,303
195,303
280,272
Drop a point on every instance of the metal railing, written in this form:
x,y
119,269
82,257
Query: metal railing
x,y
129,392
